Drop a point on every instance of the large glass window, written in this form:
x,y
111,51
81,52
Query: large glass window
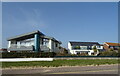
x,y
76,47
81,47
84,47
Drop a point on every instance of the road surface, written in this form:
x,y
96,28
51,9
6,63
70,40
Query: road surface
x,y
64,71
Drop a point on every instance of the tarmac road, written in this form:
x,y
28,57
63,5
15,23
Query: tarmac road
x,y
63,71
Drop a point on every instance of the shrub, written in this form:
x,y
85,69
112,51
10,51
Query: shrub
x,y
27,54
95,49
109,53
63,52
83,54
111,50
73,55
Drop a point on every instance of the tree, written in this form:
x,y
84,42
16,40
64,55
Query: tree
x,y
62,52
95,49
65,51
110,49
119,52
77,47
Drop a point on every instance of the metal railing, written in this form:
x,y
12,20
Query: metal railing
x,y
23,47
19,46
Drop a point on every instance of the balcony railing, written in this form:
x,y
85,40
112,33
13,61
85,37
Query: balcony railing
x,y
44,48
15,47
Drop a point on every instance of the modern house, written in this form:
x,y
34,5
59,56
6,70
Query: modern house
x,y
113,46
34,41
83,47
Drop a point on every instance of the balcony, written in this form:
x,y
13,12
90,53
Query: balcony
x,y
44,48
15,47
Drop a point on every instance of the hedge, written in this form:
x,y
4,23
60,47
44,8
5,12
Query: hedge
x,y
109,53
27,54
52,54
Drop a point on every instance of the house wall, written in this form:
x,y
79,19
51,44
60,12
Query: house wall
x,y
75,51
106,47
51,45
56,47
27,43
9,44
41,41
83,49
70,49
12,43
99,47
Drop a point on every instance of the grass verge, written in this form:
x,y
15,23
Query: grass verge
x,y
57,63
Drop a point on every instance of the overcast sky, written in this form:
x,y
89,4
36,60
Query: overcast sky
x,y
65,21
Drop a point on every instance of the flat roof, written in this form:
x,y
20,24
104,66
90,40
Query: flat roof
x,y
31,35
52,38
25,36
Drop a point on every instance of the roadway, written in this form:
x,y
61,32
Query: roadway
x,y
63,71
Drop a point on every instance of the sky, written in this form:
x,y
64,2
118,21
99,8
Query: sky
x,y
0,24
65,21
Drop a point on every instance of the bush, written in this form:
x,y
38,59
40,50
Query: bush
x,y
73,54
109,53
95,49
27,54
63,52
111,50
83,54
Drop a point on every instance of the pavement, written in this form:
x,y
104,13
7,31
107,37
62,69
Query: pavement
x,y
64,71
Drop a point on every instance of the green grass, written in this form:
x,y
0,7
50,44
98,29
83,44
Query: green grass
x,y
57,63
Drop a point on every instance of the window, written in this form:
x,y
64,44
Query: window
x,y
84,47
76,47
56,45
98,46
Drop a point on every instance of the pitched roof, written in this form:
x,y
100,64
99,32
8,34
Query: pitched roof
x,y
84,43
112,44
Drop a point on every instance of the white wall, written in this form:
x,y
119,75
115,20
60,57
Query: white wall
x,y
101,47
26,43
71,51
52,46
18,44
69,46
9,44
56,49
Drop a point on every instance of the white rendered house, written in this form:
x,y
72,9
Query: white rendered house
x,y
34,41
83,47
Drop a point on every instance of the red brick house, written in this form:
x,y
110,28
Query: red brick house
x,y
113,46
3,50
